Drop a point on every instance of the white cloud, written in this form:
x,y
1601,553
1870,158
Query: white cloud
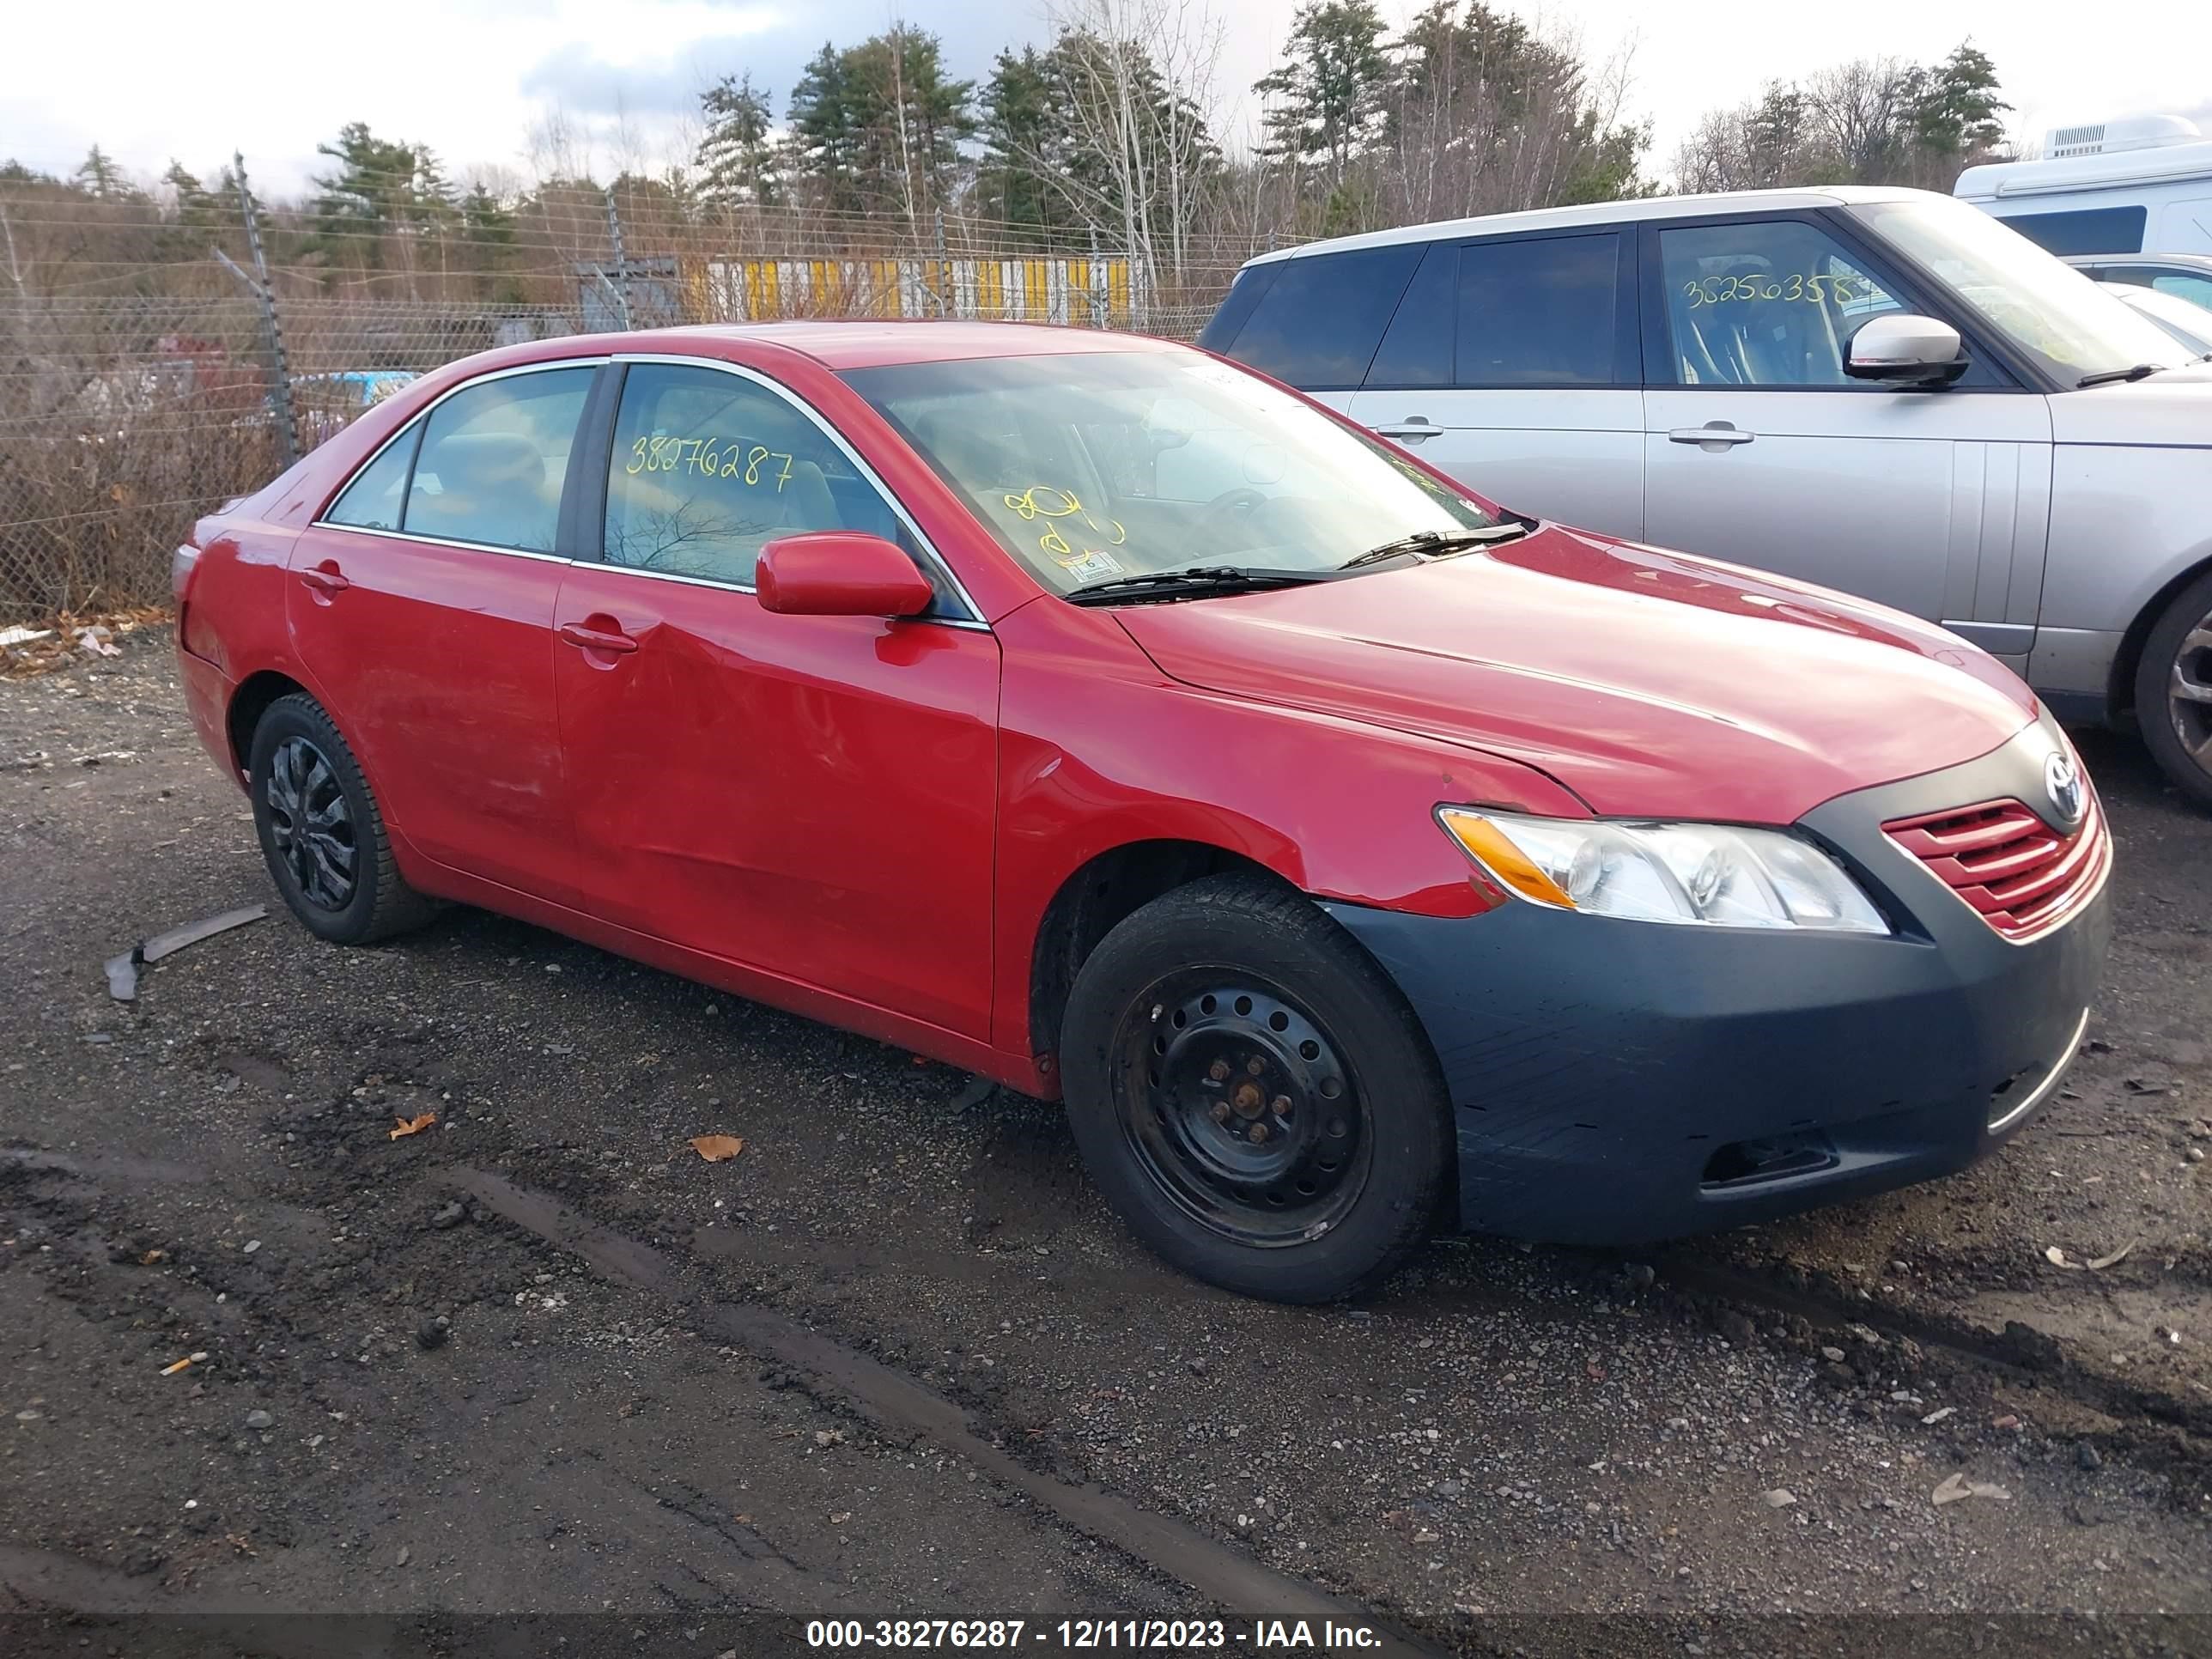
x,y
470,76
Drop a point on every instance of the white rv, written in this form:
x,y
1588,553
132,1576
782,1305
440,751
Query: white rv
x,y
2138,186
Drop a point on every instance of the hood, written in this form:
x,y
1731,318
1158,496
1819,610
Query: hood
x,y
2171,409
1650,684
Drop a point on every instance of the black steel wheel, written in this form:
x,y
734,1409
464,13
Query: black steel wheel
x,y
311,824
1248,1116
1252,1094
321,833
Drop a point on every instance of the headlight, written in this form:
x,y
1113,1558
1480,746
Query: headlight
x,y
1706,873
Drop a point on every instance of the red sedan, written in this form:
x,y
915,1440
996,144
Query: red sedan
x,y
1079,709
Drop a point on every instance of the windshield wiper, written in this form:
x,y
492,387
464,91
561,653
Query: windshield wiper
x,y
1198,581
2108,376
1430,544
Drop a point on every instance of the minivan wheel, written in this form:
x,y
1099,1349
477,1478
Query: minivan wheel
x,y
2173,688
321,833
1253,1096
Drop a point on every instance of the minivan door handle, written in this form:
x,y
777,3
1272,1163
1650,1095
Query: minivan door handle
x,y
1413,427
1713,436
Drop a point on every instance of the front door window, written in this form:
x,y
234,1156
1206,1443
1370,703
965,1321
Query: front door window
x,y
1763,303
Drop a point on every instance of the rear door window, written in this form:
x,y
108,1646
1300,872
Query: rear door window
x,y
1317,326
494,459
1417,348
1541,312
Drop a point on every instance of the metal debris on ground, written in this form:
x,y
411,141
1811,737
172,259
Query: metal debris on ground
x,y
123,970
2058,1258
1957,1486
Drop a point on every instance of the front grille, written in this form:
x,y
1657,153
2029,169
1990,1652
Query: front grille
x,y
2018,873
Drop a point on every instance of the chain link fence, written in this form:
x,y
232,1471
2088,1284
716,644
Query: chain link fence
x,y
151,370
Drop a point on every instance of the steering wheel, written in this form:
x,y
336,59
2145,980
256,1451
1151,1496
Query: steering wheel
x,y
1243,500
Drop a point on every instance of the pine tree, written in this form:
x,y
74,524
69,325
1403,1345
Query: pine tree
x,y
99,176
824,142
1324,96
736,156
1955,104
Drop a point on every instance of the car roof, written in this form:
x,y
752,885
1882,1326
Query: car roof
x,y
876,342
1605,212
2196,262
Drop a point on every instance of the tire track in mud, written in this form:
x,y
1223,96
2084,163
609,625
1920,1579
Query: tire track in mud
x,y
900,1404
2156,1430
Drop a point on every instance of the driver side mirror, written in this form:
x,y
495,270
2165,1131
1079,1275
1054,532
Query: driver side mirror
x,y
1904,349
839,572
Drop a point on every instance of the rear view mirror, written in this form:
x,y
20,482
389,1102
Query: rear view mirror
x,y
839,572
1902,348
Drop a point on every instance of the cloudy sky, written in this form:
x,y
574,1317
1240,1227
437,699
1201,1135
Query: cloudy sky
x,y
159,79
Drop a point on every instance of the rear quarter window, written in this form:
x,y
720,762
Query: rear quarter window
x,y
1317,325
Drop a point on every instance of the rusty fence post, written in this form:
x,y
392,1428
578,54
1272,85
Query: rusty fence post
x,y
280,373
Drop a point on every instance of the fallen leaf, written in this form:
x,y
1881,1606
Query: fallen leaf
x,y
2057,1258
412,1126
717,1149
2116,1257
151,1257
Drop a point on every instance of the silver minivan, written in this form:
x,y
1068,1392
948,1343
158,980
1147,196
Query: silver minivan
x,y
1880,391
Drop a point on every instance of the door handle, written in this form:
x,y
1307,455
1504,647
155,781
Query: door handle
x,y
1412,427
324,579
594,639
1714,436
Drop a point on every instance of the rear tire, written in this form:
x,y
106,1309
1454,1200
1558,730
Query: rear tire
x,y
321,831
1252,1094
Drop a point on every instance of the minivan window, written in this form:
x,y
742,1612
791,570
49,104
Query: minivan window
x,y
494,459
2049,312
1539,312
1317,326
2083,230
1763,302
1417,348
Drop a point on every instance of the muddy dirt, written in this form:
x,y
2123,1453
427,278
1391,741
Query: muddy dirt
x,y
895,1359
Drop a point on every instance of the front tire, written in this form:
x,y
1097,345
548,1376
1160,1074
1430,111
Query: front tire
x,y
2173,689
1252,1094
321,832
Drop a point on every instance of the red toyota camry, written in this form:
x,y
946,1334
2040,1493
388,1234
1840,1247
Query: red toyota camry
x,y
1349,853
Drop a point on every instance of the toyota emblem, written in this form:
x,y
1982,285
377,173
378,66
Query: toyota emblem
x,y
2061,781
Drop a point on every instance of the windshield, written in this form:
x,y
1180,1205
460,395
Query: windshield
x,y
2047,309
1090,466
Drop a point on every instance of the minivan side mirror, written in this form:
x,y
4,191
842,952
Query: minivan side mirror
x,y
1904,349
839,572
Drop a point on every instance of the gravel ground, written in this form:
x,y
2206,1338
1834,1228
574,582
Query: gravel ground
x,y
895,1359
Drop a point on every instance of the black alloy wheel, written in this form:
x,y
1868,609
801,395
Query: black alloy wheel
x,y
322,833
311,824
